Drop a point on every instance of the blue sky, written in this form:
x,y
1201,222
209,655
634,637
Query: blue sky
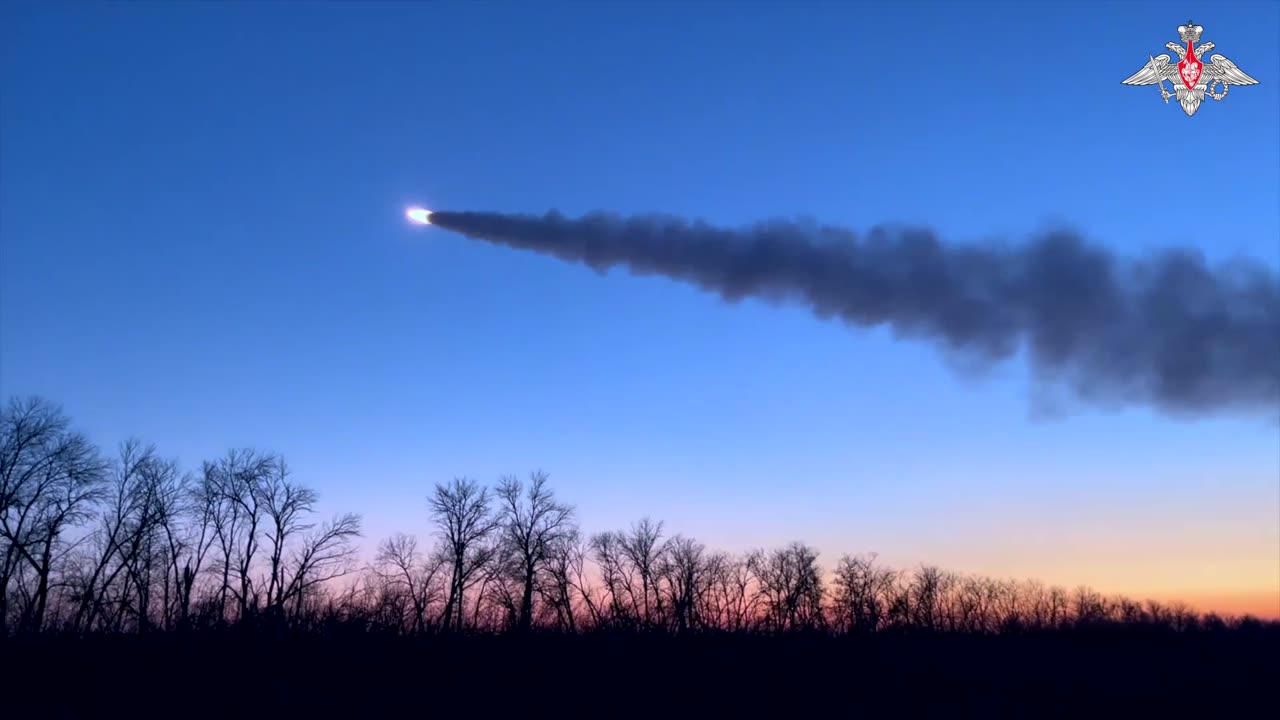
x,y
203,245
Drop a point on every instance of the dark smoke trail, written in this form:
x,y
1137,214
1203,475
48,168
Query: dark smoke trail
x,y
1165,331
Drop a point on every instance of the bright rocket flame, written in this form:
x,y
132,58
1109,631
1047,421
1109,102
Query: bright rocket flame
x,y
421,216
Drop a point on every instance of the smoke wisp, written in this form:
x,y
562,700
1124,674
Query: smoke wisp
x,y
1166,331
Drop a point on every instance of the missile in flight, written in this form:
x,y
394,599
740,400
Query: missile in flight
x,y
418,216
1167,330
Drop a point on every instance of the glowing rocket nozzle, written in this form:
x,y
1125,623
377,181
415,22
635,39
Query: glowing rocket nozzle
x,y
418,215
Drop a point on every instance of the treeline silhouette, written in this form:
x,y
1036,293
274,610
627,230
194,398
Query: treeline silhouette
x,y
221,592
133,544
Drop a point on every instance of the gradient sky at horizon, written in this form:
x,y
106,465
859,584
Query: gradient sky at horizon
x,y
202,244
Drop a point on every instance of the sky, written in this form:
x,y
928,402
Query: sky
x,y
202,244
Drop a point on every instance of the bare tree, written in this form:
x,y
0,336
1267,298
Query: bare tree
x,y
235,484
325,554
629,563
862,593
790,586
140,541
419,577
928,591
287,507
146,557
122,518
532,523
461,509
731,599
568,589
615,576
683,567
50,478
642,550
1088,607
189,535
224,520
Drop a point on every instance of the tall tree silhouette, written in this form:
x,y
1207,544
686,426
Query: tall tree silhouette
x,y
790,586
236,482
50,479
461,510
533,523
687,580
863,593
417,576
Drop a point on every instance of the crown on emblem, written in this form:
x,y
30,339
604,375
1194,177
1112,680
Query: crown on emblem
x,y
1190,33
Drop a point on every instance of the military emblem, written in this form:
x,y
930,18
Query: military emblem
x,y
1191,78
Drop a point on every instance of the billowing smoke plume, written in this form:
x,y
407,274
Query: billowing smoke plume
x,y
1166,331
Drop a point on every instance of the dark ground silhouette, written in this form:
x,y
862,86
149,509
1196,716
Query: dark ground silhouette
x,y
1064,674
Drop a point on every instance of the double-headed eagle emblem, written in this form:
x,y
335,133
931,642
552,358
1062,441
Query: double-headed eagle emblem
x,y
1192,77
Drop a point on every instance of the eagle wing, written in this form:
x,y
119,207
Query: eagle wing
x,y
1222,69
1149,75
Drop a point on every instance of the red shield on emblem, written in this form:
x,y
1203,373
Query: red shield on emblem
x,y
1190,68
